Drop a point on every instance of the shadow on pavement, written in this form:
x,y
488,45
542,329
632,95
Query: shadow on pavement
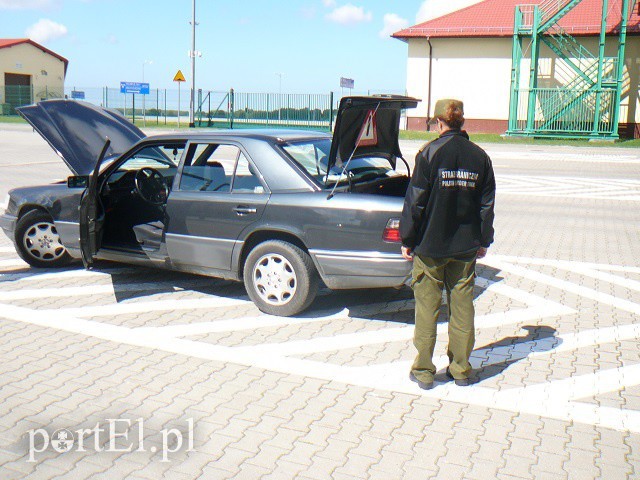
x,y
540,338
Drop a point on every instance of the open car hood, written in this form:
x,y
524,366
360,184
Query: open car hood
x,y
368,127
77,131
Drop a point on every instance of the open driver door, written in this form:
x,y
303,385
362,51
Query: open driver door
x,y
92,214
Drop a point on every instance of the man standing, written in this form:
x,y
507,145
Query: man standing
x,y
446,224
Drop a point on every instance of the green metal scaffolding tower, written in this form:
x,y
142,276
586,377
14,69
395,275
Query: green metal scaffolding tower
x,y
587,105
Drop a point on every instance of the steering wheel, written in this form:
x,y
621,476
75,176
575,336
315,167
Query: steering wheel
x,y
151,187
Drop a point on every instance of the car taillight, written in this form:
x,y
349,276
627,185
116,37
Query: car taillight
x,y
392,231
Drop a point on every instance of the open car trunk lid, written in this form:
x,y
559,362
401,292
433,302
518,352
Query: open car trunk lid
x,y
77,131
368,127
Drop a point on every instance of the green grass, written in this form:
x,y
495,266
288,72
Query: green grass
x,y
11,119
423,136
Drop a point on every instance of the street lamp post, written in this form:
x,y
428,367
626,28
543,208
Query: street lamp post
x,y
144,110
193,54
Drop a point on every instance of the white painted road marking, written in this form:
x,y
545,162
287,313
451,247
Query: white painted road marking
x,y
569,187
99,289
555,399
13,262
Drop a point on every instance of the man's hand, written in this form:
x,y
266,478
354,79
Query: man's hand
x,y
482,252
407,254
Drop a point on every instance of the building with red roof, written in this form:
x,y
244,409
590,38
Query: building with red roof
x,y
467,54
29,72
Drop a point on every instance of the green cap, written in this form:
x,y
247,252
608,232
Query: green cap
x,y
444,105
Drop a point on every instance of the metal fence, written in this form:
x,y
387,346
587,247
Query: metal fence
x,y
582,112
213,108
240,110
12,96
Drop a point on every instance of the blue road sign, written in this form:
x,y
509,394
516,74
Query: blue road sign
x,y
134,87
77,94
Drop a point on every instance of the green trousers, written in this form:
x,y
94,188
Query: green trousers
x,y
430,276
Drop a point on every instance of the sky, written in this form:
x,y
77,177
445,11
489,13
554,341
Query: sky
x,y
295,46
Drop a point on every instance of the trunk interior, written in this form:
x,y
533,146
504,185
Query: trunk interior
x,y
391,187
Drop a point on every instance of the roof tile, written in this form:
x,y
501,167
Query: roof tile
x,y
495,18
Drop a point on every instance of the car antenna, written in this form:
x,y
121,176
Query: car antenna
x,y
346,165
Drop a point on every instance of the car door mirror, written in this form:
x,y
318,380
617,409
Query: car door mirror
x,y
79,181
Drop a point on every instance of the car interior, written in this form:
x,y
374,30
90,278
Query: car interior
x,y
134,197
364,174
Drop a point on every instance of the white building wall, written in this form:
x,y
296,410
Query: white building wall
x,y
478,71
46,71
418,75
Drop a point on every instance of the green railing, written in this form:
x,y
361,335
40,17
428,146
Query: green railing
x,y
588,101
562,110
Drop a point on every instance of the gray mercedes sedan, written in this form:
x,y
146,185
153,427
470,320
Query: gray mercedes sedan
x,y
280,210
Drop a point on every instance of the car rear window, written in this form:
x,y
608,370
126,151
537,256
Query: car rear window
x,y
312,155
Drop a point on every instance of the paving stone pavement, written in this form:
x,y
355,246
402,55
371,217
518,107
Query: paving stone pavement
x,y
182,363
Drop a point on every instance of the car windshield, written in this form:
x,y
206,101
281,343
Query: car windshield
x,y
312,155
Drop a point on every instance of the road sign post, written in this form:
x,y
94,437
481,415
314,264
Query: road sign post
x,y
346,83
178,77
133,88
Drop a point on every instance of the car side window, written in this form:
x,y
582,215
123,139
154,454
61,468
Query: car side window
x,y
155,156
208,167
162,157
246,178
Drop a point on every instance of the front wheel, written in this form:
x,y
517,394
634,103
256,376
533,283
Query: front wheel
x,y
280,278
38,242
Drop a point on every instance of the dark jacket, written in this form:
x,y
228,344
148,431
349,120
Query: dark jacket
x,y
448,208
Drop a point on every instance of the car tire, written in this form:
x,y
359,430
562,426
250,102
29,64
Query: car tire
x,y
38,242
280,278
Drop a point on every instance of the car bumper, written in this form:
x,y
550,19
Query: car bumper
x,y
343,269
8,225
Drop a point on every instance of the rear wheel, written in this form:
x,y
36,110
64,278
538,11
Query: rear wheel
x,y
38,242
280,278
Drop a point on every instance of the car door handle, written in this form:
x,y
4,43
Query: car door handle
x,y
242,210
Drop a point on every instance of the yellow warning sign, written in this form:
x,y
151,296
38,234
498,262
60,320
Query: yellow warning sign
x,y
369,133
179,77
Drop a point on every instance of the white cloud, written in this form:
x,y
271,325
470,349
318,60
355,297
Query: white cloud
x,y
45,30
329,3
29,4
436,8
392,23
349,14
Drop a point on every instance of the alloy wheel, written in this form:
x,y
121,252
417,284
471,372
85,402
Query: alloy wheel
x,y
275,279
42,241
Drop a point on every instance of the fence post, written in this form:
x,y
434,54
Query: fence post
x,y
330,111
231,108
